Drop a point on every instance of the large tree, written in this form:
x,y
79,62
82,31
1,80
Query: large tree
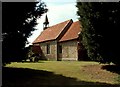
x,y
100,30
18,21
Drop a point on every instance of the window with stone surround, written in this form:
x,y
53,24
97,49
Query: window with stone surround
x,y
48,48
60,48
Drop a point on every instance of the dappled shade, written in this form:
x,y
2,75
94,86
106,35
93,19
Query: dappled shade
x,y
112,68
24,77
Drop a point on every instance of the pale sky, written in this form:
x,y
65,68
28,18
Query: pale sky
x,y
58,11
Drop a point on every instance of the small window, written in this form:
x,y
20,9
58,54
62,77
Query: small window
x,y
48,48
60,49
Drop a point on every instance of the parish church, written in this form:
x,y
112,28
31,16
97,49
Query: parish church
x,y
60,41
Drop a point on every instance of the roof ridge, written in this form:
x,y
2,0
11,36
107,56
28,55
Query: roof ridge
x,y
59,23
54,31
64,27
72,32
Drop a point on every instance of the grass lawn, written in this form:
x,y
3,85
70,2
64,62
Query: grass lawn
x,y
58,73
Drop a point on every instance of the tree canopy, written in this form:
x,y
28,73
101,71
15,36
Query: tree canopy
x,y
100,30
18,21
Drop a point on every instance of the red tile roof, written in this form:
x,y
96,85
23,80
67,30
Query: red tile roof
x,y
52,32
72,32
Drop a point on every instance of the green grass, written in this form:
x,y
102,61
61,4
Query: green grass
x,y
61,70
66,68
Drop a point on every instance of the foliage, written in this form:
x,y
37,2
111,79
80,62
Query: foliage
x,y
100,30
118,79
19,20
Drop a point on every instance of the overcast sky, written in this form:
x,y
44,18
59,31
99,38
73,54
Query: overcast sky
x,y
58,11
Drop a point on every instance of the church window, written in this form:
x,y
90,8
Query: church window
x,y
60,48
48,48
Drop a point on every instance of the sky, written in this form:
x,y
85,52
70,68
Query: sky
x,y
58,11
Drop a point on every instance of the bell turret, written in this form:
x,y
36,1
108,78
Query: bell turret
x,y
46,23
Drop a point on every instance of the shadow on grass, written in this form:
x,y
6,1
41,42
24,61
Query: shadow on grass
x,y
112,68
24,77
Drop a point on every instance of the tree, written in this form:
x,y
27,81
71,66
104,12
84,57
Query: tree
x,y
18,21
100,30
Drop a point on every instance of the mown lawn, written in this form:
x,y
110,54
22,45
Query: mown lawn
x,y
58,73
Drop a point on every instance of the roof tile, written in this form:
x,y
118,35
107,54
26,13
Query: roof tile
x,y
72,32
52,32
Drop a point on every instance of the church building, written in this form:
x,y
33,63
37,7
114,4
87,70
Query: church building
x,y
60,41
